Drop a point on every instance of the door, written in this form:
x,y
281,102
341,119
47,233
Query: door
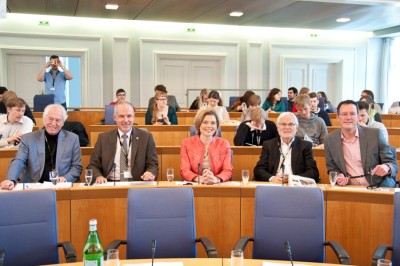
x,y
181,74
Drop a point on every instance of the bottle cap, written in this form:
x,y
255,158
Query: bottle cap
x,y
92,222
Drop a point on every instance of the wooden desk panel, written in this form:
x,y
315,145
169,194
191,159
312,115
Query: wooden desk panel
x,y
359,221
186,262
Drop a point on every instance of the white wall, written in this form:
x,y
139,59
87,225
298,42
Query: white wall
x,y
119,52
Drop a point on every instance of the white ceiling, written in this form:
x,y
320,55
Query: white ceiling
x,y
374,15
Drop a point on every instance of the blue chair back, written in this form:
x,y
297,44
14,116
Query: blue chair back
x,y
285,101
291,214
109,115
232,99
165,215
396,230
28,228
41,101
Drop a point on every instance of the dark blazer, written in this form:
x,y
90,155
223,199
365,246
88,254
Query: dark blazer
x,y
143,154
245,137
303,163
374,150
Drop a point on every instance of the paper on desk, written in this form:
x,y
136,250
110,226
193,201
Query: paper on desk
x,y
159,263
44,185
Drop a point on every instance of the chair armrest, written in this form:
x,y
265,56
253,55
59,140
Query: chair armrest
x,y
113,245
380,253
69,251
242,243
340,252
208,246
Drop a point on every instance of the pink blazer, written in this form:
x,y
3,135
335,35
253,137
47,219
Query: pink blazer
x,y
192,154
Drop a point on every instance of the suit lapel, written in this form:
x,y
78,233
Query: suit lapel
x,y
134,146
363,147
41,145
60,147
339,150
112,140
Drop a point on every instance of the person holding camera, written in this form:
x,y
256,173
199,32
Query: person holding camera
x,y
55,79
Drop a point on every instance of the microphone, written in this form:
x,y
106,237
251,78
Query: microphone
x,y
198,171
114,169
153,251
289,251
283,162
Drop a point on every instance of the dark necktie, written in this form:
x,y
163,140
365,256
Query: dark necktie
x,y
123,163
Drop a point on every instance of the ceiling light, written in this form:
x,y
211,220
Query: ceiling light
x,y
343,20
112,6
236,14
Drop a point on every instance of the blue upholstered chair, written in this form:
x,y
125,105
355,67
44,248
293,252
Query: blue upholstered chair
x,y
167,216
28,229
41,101
290,214
381,250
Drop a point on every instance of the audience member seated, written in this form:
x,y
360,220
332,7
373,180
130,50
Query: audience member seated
x,y
254,101
255,131
47,150
11,94
292,93
14,124
241,102
365,121
205,156
316,110
273,102
171,98
286,154
160,113
375,106
329,107
2,90
304,90
373,113
200,101
124,153
311,127
215,102
360,155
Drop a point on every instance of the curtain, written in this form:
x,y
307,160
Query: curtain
x,y
385,74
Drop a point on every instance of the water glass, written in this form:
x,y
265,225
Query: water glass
x,y
245,176
383,262
88,177
170,174
112,257
53,176
333,178
236,257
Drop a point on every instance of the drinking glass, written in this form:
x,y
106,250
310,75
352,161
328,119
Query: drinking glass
x,y
332,178
112,257
170,174
245,176
236,257
383,262
53,176
88,177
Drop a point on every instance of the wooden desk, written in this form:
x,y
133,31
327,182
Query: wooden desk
x,y
186,262
250,262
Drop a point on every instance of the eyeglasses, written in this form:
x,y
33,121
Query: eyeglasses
x,y
287,125
348,114
161,99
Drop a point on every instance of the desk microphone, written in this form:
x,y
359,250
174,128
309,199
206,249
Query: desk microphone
x,y
198,171
289,251
114,169
153,251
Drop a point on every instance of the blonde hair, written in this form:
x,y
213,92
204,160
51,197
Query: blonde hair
x,y
155,107
200,118
257,114
301,100
202,92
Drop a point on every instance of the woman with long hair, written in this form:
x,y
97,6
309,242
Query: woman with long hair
x,y
200,101
215,102
273,102
329,107
160,113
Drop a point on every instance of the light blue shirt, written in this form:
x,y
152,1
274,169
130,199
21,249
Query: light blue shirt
x,y
58,83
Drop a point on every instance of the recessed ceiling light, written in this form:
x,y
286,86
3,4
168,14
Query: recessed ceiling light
x,y
236,14
343,20
112,6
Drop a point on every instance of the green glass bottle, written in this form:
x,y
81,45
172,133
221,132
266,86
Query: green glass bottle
x,y
93,251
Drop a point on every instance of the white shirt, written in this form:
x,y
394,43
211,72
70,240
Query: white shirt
x,y
286,153
7,129
117,154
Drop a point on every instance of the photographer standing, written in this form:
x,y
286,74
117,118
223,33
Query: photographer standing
x,y
55,79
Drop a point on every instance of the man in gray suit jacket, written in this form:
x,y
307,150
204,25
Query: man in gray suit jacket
x,y
46,150
111,156
361,152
